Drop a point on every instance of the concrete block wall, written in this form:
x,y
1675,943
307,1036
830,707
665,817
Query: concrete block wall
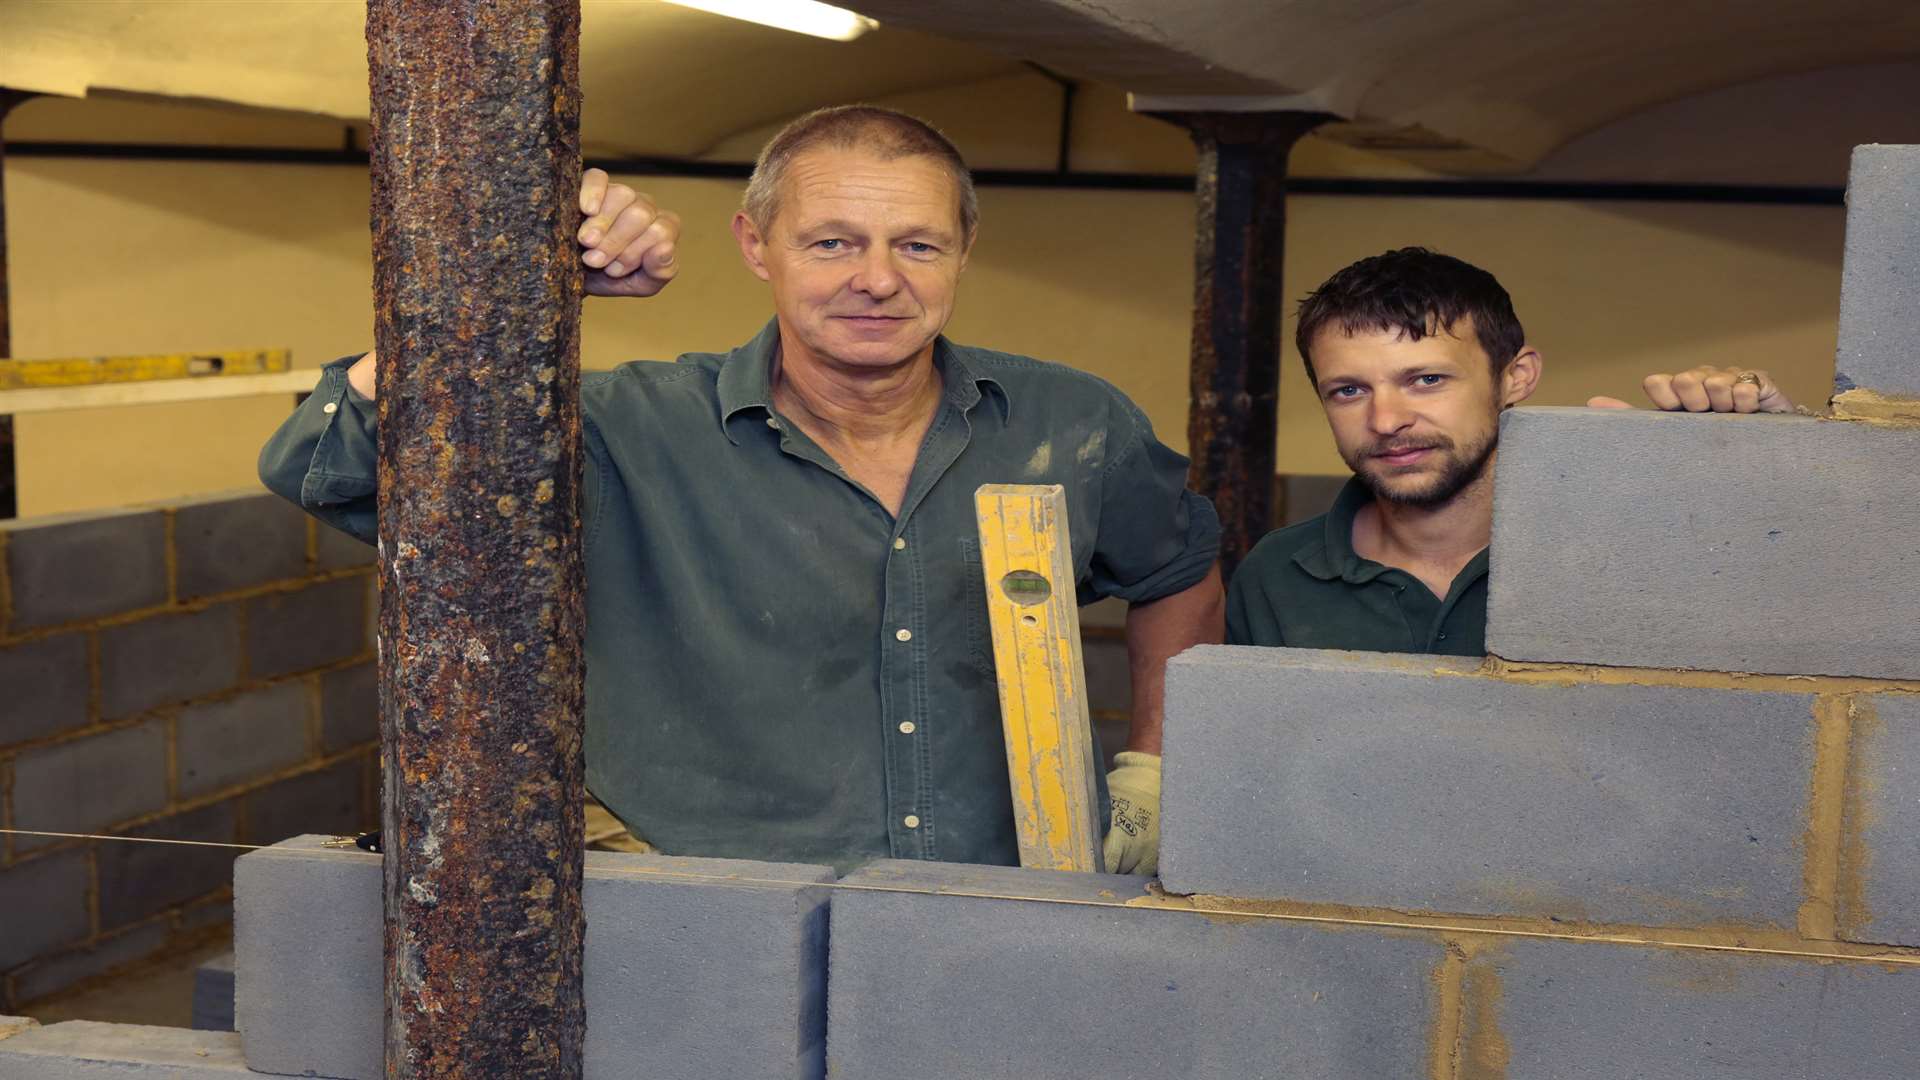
x,y
199,670
695,968
1672,826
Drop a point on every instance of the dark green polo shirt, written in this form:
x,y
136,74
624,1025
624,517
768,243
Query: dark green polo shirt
x,y
777,668
1303,587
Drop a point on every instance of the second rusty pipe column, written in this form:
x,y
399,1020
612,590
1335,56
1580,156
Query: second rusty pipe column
x,y
1239,251
475,166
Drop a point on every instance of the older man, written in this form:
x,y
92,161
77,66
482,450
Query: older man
x,y
788,653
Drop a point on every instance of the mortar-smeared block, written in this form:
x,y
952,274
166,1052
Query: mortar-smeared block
x,y
87,784
1583,1011
1417,783
694,967
1727,543
89,1050
1880,893
237,539
994,973
1880,277
81,566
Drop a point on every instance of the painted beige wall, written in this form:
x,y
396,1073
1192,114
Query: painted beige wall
x,y
114,257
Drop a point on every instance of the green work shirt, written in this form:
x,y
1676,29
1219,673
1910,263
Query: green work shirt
x,y
778,668
1304,587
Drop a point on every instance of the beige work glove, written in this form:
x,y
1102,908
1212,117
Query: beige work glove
x,y
1133,844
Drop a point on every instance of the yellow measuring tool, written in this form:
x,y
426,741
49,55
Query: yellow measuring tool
x,y
96,370
1027,561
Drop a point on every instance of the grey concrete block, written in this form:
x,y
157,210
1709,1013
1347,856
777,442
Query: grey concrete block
x,y
233,541
82,566
46,685
1579,1011
990,986
1880,279
141,880
1731,543
694,967
338,550
297,631
53,974
221,743
213,994
1409,782
89,1050
349,707
168,659
45,906
1885,782
328,799
88,784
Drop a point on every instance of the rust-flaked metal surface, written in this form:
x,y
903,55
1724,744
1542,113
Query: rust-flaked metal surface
x,y
1239,249
475,159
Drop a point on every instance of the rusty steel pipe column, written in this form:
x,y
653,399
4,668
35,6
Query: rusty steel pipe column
x,y
1239,251
476,173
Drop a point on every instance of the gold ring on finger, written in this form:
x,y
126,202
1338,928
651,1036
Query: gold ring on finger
x,y
1748,377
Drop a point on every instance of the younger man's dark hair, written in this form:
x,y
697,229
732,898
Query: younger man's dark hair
x,y
1417,292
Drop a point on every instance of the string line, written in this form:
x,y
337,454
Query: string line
x,y
1190,908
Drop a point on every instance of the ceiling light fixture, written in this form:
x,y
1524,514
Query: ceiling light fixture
x,y
799,16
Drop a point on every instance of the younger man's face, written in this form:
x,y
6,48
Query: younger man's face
x,y
1416,421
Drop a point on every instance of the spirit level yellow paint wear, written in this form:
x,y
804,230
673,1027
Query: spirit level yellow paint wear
x,y
1027,561
95,370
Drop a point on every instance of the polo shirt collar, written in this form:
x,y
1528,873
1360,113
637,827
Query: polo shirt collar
x,y
1335,557
746,378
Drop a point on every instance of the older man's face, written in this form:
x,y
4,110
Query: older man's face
x,y
864,255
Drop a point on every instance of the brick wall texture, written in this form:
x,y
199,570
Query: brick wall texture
x,y
193,671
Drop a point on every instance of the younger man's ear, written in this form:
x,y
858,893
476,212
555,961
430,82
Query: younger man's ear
x,y
1521,378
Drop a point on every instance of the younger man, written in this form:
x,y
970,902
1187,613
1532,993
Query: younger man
x,y
1414,355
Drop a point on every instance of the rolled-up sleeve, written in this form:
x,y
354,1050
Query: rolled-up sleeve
x,y
1156,537
325,457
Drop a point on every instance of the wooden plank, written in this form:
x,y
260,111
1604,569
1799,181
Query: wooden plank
x,y
103,395
95,370
1026,559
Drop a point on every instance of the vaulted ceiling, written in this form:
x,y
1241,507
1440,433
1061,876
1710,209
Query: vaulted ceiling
x,y
1458,85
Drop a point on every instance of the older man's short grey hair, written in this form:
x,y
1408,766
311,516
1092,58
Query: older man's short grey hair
x,y
884,132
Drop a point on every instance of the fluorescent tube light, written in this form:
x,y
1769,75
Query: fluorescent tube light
x,y
799,16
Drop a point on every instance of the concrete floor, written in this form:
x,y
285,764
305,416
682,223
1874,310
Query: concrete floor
x,y
158,993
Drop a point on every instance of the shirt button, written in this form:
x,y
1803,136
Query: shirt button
x,y
911,821
899,543
773,422
903,634
330,407
906,727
